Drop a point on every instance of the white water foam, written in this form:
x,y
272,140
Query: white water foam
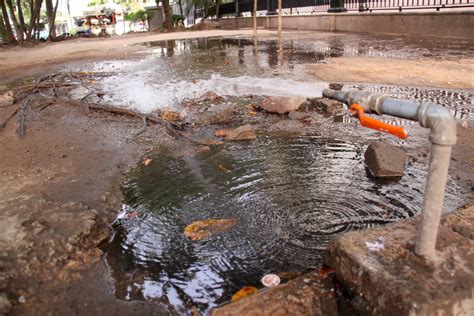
x,y
137,90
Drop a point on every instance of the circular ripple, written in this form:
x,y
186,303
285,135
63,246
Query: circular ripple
x,y
288,195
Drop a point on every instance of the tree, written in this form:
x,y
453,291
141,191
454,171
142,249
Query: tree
x,y
9,36
180,7
168,22
3,31
18,29
51,13
35,9
254,13
21,18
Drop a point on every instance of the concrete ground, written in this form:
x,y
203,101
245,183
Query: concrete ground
x,y
60,186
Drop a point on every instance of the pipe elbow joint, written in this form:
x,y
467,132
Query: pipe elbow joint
x,y
440,122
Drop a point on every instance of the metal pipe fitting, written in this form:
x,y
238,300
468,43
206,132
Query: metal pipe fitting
x,y
442,136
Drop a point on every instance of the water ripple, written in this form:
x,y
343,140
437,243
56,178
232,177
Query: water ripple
x,y
288,195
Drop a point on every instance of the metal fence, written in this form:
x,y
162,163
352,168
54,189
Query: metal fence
x,y
292,7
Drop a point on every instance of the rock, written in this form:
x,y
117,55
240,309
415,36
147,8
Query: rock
x,y
384,160
462,222
210,96
295,297
217,114
303,117
6,98
326,106
245,132
282,105
396,281
5,304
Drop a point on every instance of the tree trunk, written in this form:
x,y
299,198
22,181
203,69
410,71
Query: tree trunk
x,y
218,5
180,8
168,23
51,13
21,18
3,31
35,13
11,8
254,18
279,17
9,38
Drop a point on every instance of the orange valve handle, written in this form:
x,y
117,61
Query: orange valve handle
x,y
358,111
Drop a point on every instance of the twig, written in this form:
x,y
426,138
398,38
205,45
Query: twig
x,y
143,129
9,117
87,95
21,121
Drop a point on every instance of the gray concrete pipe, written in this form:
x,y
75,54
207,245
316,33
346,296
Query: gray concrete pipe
x,y
442,127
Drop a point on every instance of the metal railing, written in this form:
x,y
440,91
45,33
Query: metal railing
x,y
296,7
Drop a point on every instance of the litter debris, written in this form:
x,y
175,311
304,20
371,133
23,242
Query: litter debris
x,y
375,245
243,292
270,280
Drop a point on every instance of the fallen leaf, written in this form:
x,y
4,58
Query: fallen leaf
x,y
170,116
209,142
253,113
289,275
325,271
223,168
222,132
202,229
147,161
133,215
243,292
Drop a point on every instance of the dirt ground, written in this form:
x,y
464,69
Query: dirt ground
x,y
426,72
21,61
60,184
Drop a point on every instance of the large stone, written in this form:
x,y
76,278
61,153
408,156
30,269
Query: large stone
x,y
245,132
326,106
385,160
216,114
305,295
379,267
6,98
462,222
282,105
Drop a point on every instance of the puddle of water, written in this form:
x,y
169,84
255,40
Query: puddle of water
x,y
172,71
288,195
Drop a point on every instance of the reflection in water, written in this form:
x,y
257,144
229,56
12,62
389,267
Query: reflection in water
x,y
288,195
179,69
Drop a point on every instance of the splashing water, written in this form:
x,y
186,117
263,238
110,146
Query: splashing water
x,y
139,93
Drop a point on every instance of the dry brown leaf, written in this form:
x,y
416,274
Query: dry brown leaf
x,y
223,168
222,132
243,292
170,116
201,229
147,161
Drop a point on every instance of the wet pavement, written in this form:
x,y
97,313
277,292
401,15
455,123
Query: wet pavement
x,y
289,195
166,73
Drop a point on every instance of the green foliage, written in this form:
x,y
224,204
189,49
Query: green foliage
x,y
137,16
177,19
96,2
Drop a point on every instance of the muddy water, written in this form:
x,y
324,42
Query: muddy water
x,y
171,71
289,195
